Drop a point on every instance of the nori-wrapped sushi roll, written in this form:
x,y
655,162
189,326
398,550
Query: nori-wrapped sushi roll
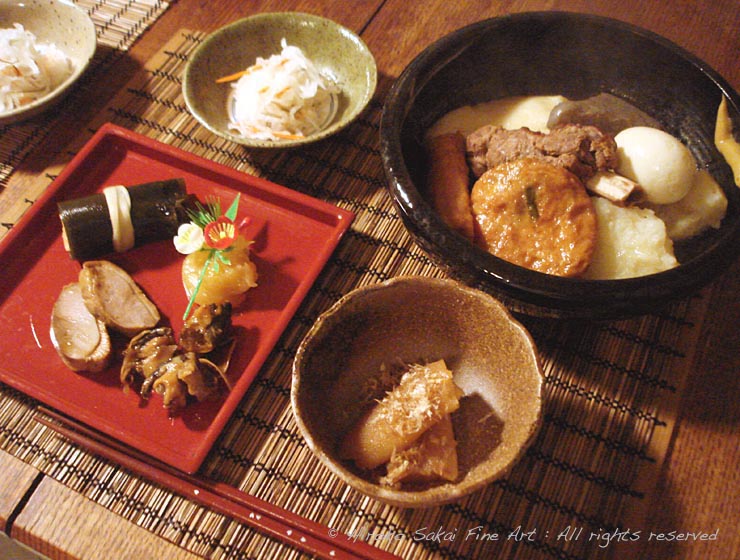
x,y
121,218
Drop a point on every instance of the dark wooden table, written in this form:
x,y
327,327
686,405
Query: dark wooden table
x,y
699,489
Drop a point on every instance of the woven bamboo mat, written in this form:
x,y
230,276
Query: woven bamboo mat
x,y
611,393
118,24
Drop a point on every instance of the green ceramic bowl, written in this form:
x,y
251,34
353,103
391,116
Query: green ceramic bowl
x,y
57,22
336,51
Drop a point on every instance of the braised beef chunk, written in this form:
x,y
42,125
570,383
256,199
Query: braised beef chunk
x,y
491,145
582,150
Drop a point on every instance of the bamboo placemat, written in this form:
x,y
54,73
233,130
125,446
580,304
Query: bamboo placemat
x,y
118,23
611,390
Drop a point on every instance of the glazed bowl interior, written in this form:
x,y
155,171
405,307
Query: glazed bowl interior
x,y
419,320
577,56
57,22
336,51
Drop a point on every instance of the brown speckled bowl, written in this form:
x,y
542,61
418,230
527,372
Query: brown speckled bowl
x,y
418,319
575,55
58,22
336,51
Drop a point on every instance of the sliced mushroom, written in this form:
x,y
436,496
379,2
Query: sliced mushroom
x,y
113,296
81,340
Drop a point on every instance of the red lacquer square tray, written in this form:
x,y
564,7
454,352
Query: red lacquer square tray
x,y
294,236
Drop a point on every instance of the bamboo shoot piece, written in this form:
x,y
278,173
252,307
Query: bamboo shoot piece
x,y
424,395
432,457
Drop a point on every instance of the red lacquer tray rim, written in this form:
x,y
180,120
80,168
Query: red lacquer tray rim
x,y
191,458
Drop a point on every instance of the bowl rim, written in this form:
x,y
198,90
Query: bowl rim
x,y
370,72
530,291
41,104
445,492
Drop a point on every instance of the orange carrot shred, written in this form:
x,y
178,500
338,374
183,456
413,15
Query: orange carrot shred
x,y
237,75
288,136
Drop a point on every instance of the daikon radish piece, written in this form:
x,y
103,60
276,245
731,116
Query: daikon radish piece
x,y
704,207
432,457
424,395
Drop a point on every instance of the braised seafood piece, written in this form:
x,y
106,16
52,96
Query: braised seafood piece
x,y
145,354
177,372
167,380
183,375
79,338
113,296
206,328
201,378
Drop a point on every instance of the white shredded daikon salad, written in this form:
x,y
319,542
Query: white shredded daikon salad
x,y
283,97
29,69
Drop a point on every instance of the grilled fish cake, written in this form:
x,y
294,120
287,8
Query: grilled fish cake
x,y
535,214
